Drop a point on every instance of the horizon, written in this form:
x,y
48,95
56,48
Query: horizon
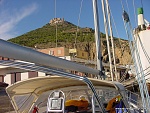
x,y
19,17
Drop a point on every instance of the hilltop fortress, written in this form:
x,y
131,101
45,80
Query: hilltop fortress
x,y
56,20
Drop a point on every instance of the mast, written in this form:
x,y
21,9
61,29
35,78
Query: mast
x,y
97,38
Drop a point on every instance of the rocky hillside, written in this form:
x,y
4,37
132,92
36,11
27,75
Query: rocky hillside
x,y
67,35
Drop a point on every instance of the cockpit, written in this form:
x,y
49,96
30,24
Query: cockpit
x,y
64,95
80,101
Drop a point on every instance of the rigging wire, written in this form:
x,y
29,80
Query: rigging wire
x,y
143,81
141,68
134,13
146,74
78,25
133,47
142,3
122,50
128,8
123,12
142,46
145,53
111,36
120,44
147,57
139,79
122,5
107,38
126,72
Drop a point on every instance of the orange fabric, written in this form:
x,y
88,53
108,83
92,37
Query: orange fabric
x,y
78,103
110,105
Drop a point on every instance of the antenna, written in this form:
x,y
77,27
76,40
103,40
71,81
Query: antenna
x,y
56,23
78,25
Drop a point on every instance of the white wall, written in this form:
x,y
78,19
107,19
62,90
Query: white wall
x,y
24,76
7,79
41,74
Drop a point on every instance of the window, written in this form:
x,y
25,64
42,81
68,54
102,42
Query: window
x,y
51,52
82,54
59,52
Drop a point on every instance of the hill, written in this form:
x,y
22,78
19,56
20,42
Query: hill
x,y
44,36
67,35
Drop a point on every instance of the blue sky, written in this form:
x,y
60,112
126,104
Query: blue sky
x,y
21,16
